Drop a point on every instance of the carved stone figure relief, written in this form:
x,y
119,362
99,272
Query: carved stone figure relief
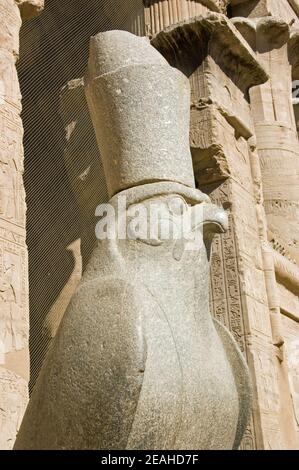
x,y
138,342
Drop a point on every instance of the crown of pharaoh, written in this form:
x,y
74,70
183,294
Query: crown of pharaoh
x,y
140,108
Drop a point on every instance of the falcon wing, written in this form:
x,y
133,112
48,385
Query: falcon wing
x,y
88,390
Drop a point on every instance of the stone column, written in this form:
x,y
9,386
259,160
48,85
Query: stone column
x,y
278,152
284,9
14,315
276,132
154,16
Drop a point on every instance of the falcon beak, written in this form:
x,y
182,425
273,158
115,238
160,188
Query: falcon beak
x,y
210,218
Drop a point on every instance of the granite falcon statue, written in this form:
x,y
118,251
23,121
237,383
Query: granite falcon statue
x,y
138,362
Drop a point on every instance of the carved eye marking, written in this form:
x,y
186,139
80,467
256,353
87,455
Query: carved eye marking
x,y
177,205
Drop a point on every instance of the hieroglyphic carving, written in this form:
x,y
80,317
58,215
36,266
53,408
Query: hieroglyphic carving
x,y
238,280
13,262
14,328
218,307
14,396
13,298
242,271
273,114
11,167
225,278
226,295
216,151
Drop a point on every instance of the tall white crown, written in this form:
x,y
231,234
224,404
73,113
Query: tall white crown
x,y
140,108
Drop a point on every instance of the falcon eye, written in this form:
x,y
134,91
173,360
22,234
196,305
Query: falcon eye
x,y
177,206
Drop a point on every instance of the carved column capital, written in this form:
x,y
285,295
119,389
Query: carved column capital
x,y
186,44
160,14
219,6
263,34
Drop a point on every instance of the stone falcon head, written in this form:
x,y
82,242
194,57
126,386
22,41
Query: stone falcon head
x,y
140,108
138,362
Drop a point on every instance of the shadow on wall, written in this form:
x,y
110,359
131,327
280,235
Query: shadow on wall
x,y
61,158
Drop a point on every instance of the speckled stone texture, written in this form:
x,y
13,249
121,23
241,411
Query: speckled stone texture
x,y
137,101
138,362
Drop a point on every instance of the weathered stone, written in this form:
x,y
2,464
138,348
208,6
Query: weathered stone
x,y
14,315
276,131
277,144
222,143
219,85
187,44
30,8
291,330
163,13
136,344
287,10
14,397
124,106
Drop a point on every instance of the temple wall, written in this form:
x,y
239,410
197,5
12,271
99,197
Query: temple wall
x,y
271,30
